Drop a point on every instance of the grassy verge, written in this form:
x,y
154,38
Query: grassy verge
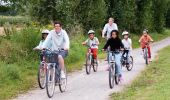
x,y
153,84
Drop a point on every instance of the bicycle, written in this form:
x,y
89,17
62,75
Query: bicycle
x,y
145,54
113,76
91,62
124,60
41,75
53,73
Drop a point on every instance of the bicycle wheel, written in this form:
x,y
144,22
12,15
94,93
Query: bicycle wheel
x,y
95,65
116,78
111,76
88,64
122,62
129,68
50,81
42,75
63,82
146,56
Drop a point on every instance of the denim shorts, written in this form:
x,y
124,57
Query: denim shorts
x,y
64,53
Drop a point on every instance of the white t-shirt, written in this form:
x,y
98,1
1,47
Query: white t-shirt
x,y
92,42
127,43
108,29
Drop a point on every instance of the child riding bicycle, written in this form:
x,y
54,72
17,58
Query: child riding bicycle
x,y
127,42
116,45
144,41
44,36
92,42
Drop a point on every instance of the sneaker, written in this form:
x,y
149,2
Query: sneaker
x,y
63,75
150,60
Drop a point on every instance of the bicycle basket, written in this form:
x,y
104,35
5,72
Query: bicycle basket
x,y
51,57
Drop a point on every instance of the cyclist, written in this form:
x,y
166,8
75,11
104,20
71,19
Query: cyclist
x,y
44,36
59,40
108,28
116,45
145,40
107,31
93,43
127,42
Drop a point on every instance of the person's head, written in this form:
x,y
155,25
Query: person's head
x,y
45,34
111,21
91,34
145,32
125,35
57,26
114,34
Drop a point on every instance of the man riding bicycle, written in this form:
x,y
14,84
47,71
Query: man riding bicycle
x,y
108,28
144,41
59,41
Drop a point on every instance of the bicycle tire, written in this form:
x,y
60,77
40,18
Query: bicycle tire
x,y
95,65
41,82
88,65
146,56
111,76
50,93
129,68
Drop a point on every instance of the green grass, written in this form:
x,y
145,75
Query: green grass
x,y
152,84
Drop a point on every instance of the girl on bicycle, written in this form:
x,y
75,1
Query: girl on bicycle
x,y
92,42
44,36
127,42
116,45
39,47
144,41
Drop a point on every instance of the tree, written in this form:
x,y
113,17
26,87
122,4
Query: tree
x,y
160,9
144,15
91,13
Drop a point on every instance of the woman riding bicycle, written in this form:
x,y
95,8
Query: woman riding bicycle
x,y
92,42
144,41
116,45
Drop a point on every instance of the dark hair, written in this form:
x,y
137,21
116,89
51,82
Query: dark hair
x,y
57,22
43,35
117,33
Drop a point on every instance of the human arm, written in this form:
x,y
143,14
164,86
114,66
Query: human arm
x,y
67,41
104,31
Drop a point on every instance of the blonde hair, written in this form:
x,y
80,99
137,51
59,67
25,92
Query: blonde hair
x,y
111,18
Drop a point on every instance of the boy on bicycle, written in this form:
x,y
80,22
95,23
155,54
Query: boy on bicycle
x,y
127,42
144,42
92,42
